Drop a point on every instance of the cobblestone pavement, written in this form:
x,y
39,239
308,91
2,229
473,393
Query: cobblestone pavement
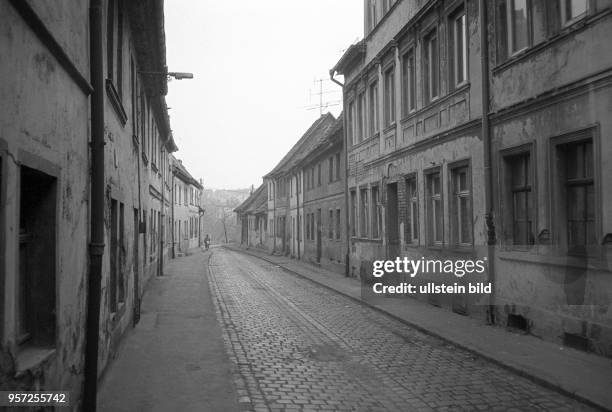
x,y
298,346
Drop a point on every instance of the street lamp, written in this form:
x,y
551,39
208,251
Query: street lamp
x,y
176,75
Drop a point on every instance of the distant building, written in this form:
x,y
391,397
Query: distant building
x,y
252,216
186,210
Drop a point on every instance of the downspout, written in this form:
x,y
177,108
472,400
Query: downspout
x,y
172,203
486,138
96,246
297,224
347,271
161,223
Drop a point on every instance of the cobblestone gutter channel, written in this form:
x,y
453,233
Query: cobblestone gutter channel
x,y
299,346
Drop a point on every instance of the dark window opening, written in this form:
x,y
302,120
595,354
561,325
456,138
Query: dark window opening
x,y
36,320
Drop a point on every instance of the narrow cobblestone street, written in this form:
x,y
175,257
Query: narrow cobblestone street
x,y
296,345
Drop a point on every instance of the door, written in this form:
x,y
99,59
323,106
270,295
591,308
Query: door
x,y
393,241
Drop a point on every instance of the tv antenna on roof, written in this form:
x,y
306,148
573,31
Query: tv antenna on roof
x,y
322,105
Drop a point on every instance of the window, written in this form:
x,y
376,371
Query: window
x,y
408,83
338,174
389,104
435,220
319,174
330,231
114,45
372,14
364,212
519,199
519,25
376,213
432,65
353,213
412,215
458,42
361,129
573,9
461,214
578,194
338,226
331,169
351,121
36,288
373,108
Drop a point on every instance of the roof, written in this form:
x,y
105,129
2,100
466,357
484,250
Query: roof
x,y
257,202
333,136
181,172
349,58
314,133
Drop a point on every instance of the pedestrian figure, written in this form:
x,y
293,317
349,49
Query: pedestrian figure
x,y
207,241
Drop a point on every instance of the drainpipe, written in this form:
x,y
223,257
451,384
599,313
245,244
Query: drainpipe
x,y
297,223
172,203
486,138
347,271
160,272
96,246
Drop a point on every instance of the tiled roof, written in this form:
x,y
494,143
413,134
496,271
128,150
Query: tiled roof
x,y
318,129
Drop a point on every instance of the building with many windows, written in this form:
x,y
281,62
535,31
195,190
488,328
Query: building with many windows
x,y
413,130
476,129
550,84
186,212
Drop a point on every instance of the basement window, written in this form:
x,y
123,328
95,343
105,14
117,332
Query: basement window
x,y
517,322
576,341
36,316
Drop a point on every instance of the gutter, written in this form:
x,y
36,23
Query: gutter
x,y
488,173
347,257
96,245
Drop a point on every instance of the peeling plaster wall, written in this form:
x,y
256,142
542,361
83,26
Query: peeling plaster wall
x,y
560,90
45,114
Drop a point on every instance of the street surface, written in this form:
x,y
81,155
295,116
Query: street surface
x,y
298,346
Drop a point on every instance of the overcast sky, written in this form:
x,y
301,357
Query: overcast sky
x,y
254,64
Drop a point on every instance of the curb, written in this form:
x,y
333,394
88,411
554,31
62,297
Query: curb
x,y
506,365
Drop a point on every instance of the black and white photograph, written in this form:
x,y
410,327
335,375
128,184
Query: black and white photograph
x,y
305,205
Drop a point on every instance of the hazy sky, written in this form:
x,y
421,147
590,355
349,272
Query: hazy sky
x,y
254,66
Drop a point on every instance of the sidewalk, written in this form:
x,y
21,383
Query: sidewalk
x,y
581,375
174,360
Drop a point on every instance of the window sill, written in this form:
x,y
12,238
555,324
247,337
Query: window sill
x,y
365,240
31,358
115,100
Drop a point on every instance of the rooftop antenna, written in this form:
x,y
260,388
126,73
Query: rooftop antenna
x,y
322,104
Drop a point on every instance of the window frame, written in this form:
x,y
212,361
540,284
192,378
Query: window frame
x,y
559,206
408,82
507,197
457,14
455,196
432,33
373,108
389,96
412,210
430,210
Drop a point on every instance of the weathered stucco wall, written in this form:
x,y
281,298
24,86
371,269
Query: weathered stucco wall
x,y
44,124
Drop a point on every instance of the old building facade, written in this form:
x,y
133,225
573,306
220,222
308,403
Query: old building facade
x,y
434,172
550,85
187,210
252,215
48,175
415,152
